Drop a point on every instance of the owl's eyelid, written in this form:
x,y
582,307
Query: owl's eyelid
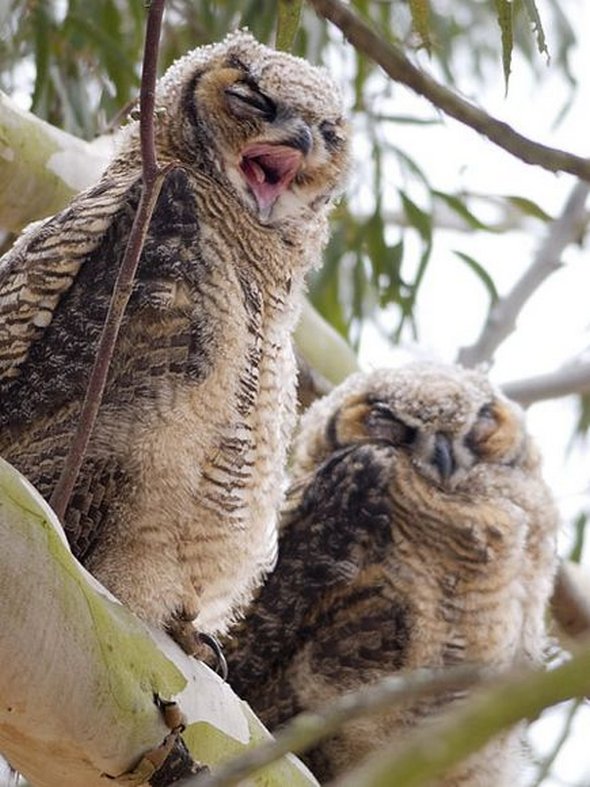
x,y
487,411
329,132
244,98
380,408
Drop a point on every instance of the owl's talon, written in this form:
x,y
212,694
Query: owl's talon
x,y
198,644
213,644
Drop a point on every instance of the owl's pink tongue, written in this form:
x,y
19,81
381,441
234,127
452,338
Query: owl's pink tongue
x,y
269,170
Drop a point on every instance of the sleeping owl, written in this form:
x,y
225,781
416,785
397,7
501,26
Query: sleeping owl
x,y
174,508
418,532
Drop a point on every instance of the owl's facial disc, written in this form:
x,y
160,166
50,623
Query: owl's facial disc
x,y
269,170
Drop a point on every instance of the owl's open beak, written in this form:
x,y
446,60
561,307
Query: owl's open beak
x,y
269,170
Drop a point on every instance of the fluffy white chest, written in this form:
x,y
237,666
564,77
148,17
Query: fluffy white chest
x,y
213,462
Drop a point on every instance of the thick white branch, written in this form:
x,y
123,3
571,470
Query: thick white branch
x,y
41,167
571,379
323,347
502,318
78,671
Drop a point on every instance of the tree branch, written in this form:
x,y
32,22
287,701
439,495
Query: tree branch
x,y
153,179
501,320
79,672
571,379
41,167
522,695
324,349
402,70
308,729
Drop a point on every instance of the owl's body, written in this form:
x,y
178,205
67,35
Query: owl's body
x,y
418,533
174,509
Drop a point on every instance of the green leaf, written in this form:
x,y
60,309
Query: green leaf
x,y
389,288
421,221
504,17
528,207
409,165
288,16
580,522
535,19
417,218
460,208
481,273
43,37
420,13
583,422
360,289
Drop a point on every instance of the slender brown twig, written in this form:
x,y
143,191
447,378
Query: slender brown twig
x,y
398,67
153,178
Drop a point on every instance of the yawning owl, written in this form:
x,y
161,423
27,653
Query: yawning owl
x,y
174,509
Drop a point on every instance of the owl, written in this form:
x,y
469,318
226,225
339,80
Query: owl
x,y
175,506
418,532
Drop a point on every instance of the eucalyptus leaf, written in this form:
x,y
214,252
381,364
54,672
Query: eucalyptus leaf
x,y
420,19
529,207
481,273
504,17
459,206
535,18
288,17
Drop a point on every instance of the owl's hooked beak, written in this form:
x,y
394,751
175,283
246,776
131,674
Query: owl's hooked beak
x,y
269,170
442,456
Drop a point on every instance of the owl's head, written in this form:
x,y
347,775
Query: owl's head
x,y
445,420
269,126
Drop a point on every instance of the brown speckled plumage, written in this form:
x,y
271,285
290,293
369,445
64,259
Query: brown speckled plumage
x,y
175,507
418,532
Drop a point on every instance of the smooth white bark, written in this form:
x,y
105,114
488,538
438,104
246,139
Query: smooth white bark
x,y
78,671
41,167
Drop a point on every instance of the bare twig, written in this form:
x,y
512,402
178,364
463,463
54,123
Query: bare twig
x,y
402,70
152,183
571,379
546,765
433,749
308,729
501,320
147,92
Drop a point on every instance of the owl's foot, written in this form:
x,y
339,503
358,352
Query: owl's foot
x,y
204,647
168,762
